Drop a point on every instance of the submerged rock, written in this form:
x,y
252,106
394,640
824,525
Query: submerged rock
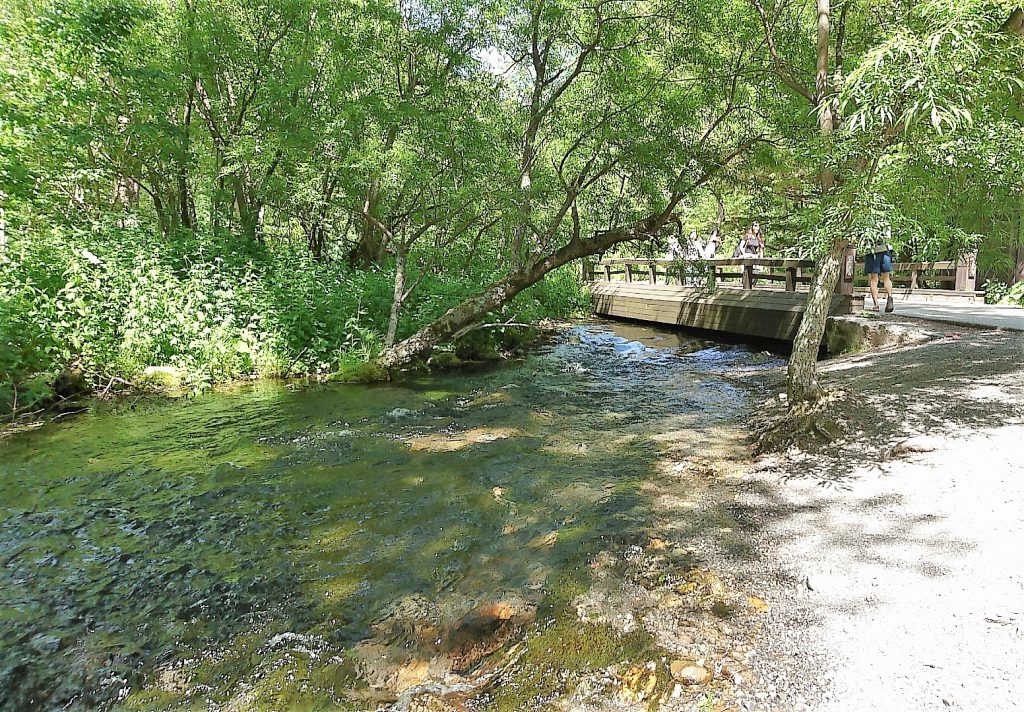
x,y
495,398
487,629
444,360
413,620
543,541
444,442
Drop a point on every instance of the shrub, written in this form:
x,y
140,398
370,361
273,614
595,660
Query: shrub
x,y
107,301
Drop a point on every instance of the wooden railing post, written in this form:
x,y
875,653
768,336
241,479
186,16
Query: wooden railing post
x,y
629,272
652,273
748,277
608,273
847,271
791,279
966,273
913,278
588,271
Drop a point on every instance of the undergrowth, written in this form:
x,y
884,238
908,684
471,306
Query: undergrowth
x,y
105,302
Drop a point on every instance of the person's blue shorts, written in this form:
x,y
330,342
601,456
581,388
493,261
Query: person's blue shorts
x,y
878,262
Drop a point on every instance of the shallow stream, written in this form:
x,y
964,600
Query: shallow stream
x,y
158,553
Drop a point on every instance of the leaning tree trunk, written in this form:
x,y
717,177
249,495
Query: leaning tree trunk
x,y
502,291
803,373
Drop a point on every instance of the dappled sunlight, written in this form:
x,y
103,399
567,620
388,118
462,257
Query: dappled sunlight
x,y
338,544
457,441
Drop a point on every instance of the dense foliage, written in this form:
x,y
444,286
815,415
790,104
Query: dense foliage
x,y
284,186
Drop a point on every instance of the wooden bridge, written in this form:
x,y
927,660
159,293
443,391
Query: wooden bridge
x,y
762,298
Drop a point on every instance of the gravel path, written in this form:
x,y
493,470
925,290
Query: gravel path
x,y
894,563
1004,317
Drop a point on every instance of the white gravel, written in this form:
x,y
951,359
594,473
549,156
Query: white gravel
x,y
894,563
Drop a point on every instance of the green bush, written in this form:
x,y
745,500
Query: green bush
x,y
107,302
1014,295
995,291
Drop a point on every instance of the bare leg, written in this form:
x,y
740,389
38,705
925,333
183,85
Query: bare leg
x,y
873,286
887,283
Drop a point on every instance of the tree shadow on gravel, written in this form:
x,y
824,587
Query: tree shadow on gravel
x,y
887,400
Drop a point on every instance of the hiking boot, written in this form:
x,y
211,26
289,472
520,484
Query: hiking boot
x,y
888,304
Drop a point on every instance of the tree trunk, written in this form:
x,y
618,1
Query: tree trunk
x,y
217,198
369,250
519,237
248,211
185,203
802,373
397,299
503,290
1017,250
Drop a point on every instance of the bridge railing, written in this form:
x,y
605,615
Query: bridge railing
x,y
955,275
746,273
788,274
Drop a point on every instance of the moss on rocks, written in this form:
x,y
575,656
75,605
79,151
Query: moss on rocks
x,y
444,360
370,372
557,655
160,379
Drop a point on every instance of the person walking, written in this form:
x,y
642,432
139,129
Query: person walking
x,y
878,261
674,252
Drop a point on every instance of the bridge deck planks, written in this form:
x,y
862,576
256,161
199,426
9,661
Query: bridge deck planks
x,y
772,314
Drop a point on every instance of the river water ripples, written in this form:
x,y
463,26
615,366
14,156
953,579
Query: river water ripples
x,y
163,553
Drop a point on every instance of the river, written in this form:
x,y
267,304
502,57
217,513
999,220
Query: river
x,y
158,553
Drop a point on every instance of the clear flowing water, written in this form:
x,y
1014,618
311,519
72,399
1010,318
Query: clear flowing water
x,y
142,537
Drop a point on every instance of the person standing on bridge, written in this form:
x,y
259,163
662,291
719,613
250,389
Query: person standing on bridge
x,y
751,246
878,261
711,249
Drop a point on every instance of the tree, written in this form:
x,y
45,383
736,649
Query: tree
x,y
615,96
876,83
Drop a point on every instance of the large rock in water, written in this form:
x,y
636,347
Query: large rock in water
x,y
160,378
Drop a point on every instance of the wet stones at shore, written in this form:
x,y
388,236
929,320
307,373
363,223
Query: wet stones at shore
x,y
701,627
416,643
638,682
689,672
